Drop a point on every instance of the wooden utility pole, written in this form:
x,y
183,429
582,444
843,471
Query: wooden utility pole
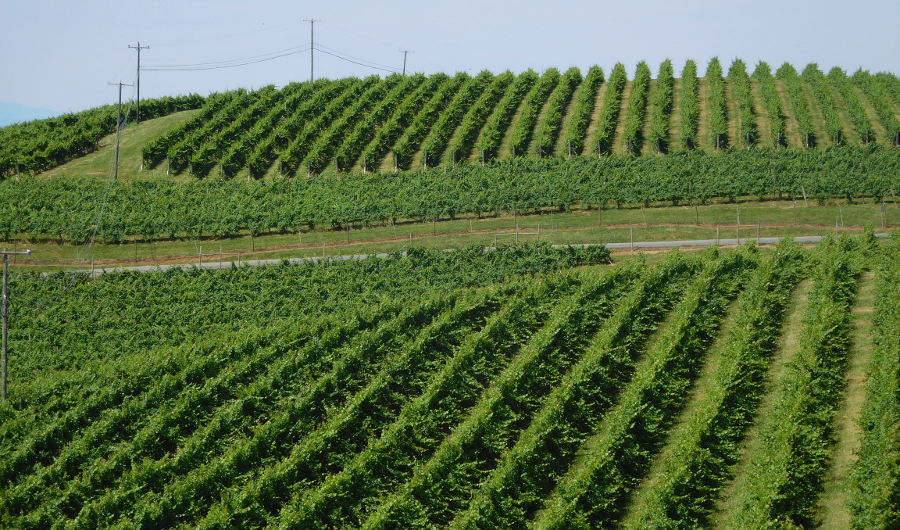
x,y
312,23
405,53
118,127
139,48
4,310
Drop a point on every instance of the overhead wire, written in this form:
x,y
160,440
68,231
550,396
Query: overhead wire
x,y
225,64
81,256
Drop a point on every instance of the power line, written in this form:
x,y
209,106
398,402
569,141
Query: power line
x,y
223,64
321,47
391,70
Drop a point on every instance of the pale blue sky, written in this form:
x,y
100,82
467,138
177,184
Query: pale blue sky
x,y
61,54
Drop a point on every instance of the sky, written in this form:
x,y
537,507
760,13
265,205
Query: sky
x,y
60,55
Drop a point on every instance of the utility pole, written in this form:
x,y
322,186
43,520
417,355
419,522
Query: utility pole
x,y
4,309
405,52
139,48
118,126
312,23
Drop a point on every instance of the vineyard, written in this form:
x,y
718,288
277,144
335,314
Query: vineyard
x,y
375,151
398,123
527,387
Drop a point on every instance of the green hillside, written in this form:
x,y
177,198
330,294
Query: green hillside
x,y
428,121
461,390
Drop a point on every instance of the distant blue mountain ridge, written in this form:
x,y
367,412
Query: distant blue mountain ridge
x,y
16,113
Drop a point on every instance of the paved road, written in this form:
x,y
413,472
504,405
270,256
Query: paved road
x,y
614,246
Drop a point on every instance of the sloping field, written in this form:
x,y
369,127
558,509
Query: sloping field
x,y
308,128
357,395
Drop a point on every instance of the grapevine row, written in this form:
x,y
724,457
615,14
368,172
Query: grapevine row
x,y
822,92
401,119
797,96
300,146
314,97
238,153
503,113
699,463
531,108
477,115
548,131
772,102
584,109
416,133
594,494
529,469
204,158
452,115
785,477
740,84
663,97
881,102
180,153
365,130
718,111
854,106
441,487
346,496
352,364
689,112
157,150
331,136
637,108
609,114
874,501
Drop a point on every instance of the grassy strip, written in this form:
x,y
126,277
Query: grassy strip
x,y
633,138
785,477
737,74
595,493
875,501
718,106
700,462
772,102
663,97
